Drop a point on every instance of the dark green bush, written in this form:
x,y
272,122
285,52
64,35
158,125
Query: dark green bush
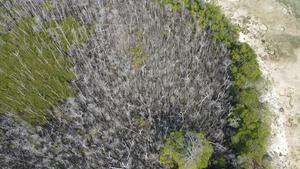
x,y
244,68
251,137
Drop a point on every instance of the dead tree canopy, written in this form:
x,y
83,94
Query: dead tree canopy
x,y
145,72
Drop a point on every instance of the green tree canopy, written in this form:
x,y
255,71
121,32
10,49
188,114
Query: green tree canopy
x,y
186,151
34,68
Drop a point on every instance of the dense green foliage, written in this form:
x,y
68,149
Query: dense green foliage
x,y
244,67
249,141
219,163
186,151
209,17
34,68
138,54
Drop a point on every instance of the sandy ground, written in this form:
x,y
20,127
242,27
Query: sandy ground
x,y
274,33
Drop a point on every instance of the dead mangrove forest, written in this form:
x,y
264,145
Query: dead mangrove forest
x,y
126,84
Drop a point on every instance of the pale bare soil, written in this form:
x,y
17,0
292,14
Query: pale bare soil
x,y
274,33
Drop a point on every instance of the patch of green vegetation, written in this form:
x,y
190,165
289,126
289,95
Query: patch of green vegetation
x,y
139,55
49,5
223,31
138,35
186,151
69,32
220,163
251,137
34,68
141,122
249,142
209,17
244,68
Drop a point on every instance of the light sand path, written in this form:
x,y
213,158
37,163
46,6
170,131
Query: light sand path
x,y
274,33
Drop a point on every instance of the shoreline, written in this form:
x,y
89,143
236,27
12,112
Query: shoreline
x,y
279,66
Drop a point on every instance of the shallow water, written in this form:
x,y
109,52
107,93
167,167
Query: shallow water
x,y
294,5
282,27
